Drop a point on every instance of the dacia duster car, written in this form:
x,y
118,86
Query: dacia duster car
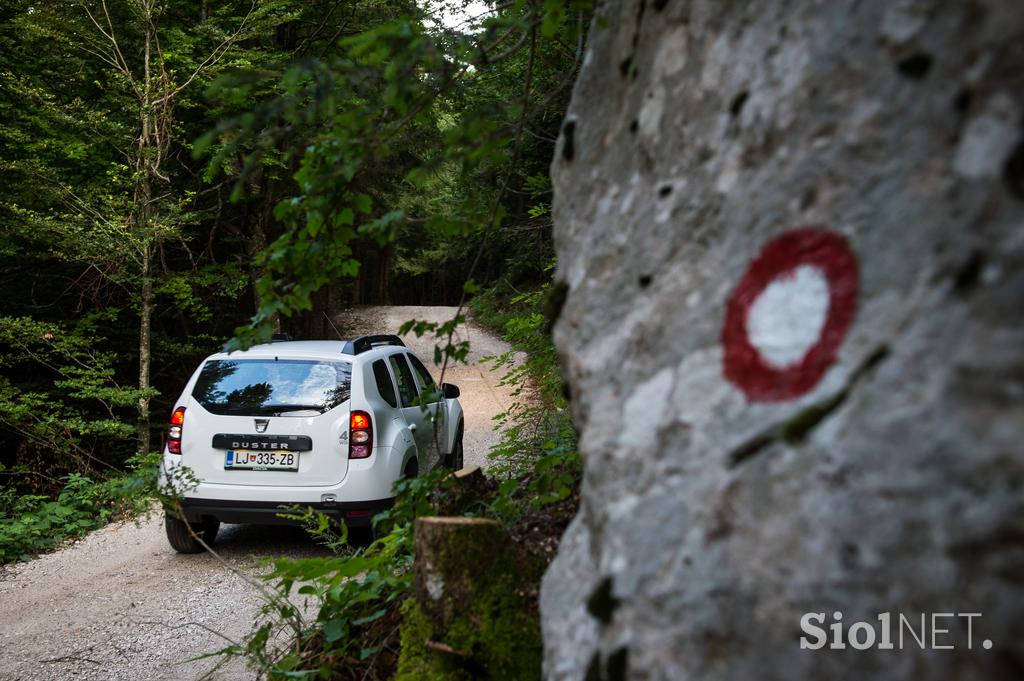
x,y
329,425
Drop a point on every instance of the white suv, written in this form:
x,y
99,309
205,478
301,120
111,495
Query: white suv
x,y
324,424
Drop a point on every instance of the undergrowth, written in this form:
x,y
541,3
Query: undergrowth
x,y
33,523
536,457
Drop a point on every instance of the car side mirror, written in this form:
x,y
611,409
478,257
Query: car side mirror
x,y
450,390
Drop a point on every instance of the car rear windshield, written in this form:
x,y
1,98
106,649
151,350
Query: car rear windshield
x,y
287,387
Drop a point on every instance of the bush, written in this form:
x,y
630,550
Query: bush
x,y
31,524
536,456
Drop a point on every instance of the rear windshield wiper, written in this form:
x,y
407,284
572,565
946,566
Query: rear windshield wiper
x,y
265,409
285,408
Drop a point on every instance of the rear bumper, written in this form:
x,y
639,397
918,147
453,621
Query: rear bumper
x,y
354,513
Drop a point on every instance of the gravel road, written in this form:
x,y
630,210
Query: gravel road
x,y
120,604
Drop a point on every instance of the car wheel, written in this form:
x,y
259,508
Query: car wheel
x,y
455,459
180,537
412,469
362,536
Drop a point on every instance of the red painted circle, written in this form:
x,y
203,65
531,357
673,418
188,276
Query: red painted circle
x,y
743,364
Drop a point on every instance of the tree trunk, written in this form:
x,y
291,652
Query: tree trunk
x,y
155,91
145,319
143,220
256,243
382,275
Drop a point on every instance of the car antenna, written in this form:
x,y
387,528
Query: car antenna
x,y
327,317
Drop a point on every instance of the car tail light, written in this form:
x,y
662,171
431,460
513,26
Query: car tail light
x,y
360,435
174,432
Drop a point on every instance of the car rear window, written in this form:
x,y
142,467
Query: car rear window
x,y
259,387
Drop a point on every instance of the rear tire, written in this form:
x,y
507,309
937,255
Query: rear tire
x,y
455,459
362,536
181,539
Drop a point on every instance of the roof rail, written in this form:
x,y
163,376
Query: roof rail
x,y
364,343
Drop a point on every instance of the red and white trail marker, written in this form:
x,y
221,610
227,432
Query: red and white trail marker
x,y
789,314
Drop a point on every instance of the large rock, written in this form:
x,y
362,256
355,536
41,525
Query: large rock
x,y
792,235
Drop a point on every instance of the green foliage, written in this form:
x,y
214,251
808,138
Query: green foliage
x,y
65,378
538,440
320,526
445,350
80,239
354,595
33,523
409,136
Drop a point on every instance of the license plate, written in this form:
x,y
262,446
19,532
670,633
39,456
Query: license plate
x,y
245,459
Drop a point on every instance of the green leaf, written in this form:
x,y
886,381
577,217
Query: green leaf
x,y
334,630
370,618
362,203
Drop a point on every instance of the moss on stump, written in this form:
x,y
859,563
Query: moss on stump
x,y
469,618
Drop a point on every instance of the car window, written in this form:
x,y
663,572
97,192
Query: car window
x,y
255,387
406,384
426,380
385,386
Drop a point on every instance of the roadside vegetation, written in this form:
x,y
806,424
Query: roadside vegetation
x,y
33,523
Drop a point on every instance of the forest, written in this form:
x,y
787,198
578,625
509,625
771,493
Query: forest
x,y
177,175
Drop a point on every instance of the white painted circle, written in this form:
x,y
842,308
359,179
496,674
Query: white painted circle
x,y
786,320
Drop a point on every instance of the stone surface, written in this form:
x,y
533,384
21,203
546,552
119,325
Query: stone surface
x,y
886,473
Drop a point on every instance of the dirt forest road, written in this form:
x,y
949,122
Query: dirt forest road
x,y
120,604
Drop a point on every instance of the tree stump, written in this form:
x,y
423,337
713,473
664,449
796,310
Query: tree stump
x,y
468,617
470,490
456,558
469,473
